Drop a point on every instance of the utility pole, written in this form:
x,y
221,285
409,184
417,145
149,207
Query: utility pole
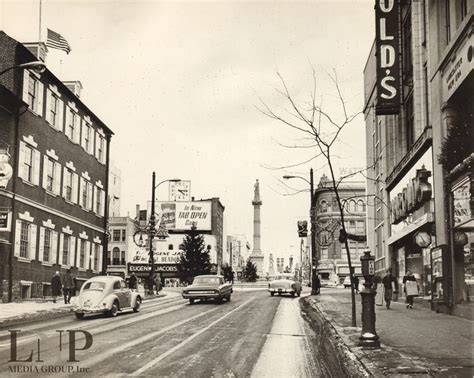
x,y
151,233
312,214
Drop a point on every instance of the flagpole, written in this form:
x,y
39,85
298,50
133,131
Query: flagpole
x,y
39,26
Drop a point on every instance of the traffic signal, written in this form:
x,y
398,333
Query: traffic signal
x,y
302,229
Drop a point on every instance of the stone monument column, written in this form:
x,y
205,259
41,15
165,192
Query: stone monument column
x,y
256,257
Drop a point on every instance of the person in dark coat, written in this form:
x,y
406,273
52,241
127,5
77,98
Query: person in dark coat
x,y
409,298
68,287
356,283
317,284
56,286
132,282
390,287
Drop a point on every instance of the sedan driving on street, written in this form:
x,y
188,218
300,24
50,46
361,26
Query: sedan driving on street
x,y
107,295
285,284
208,287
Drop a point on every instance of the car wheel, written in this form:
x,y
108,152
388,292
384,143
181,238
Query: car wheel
x,y
114,310
219,300
228,298
191,301
272,293
79,315
298,293
138,303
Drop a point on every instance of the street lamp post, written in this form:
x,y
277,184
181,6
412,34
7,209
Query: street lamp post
x,y
313,260
152,232
36,66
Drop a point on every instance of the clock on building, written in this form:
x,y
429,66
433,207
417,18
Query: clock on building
x,y
423,239
180,191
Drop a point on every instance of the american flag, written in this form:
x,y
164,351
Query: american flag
x,y
57,41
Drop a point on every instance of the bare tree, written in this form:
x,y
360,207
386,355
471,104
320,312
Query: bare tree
x,y
321,131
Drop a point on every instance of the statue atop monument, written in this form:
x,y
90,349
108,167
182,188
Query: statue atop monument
x,y
256,194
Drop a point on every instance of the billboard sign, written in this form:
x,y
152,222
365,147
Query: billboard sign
x,y
182,215
146,268
387,54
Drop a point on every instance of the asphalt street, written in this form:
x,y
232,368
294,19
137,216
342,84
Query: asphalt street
x,y
252,335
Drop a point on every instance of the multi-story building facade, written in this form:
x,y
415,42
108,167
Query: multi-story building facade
x,y
121,246
421,215
333,265
177,218
238,250
55,199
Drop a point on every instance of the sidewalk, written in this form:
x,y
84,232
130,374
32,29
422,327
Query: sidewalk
x,y
29,311
413,342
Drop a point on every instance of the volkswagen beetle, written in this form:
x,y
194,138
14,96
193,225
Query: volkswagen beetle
x,y
285,284
208,287
105,294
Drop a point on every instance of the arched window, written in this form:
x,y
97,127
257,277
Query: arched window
x,y
352,206
323,206
360,206
170,247
116,256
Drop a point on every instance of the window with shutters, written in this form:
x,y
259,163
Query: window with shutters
x,y
96,256
85,198
100,148
49,167
24,240
68,184
32,93
99,201
53,109
116,256
72,125
86,137
47,245
27,167
82,254
66,249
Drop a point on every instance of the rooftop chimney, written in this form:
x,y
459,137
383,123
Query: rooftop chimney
x,y
38,49
74,86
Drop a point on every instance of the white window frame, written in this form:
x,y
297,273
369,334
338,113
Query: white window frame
x,y
51,175
53,97
53,246
32,175
37,105
31,240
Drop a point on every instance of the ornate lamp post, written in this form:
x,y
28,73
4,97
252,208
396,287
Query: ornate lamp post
x,y
151,230
368,337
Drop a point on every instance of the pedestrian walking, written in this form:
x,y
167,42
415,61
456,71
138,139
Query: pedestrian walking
x,y
68,287
56,286
390,286
409,277
317,285
132,282
356,283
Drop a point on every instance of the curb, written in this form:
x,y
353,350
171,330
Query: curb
x,y
356,366
50,314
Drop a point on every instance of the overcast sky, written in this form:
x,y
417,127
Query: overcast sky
x,y
179,84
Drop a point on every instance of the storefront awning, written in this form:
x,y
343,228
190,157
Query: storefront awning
x,y
426,218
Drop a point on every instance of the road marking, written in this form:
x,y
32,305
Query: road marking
x,y
288,330
102,356
99,324
186,341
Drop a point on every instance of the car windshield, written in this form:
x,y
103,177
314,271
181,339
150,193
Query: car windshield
x,y
94,285
283,277
206,280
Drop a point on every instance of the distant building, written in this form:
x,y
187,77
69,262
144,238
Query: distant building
x,y
331,254
121,246
54,205
238,251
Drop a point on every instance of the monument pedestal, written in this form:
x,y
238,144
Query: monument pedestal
x,y
257,260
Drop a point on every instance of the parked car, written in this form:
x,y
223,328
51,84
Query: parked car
x,y
285,283
105,294
208,287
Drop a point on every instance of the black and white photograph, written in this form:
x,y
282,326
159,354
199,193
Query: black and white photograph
x,y
237,188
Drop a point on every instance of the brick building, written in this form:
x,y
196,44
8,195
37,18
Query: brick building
x,y
55,200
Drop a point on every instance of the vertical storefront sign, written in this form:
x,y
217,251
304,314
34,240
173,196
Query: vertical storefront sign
x,y
387,53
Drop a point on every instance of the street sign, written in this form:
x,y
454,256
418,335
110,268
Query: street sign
x,y
372,267
5,219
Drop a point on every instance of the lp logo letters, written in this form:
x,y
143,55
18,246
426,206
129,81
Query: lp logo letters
x,y
72,345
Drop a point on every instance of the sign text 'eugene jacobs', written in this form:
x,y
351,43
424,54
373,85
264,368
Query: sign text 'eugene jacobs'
x,y
192,213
